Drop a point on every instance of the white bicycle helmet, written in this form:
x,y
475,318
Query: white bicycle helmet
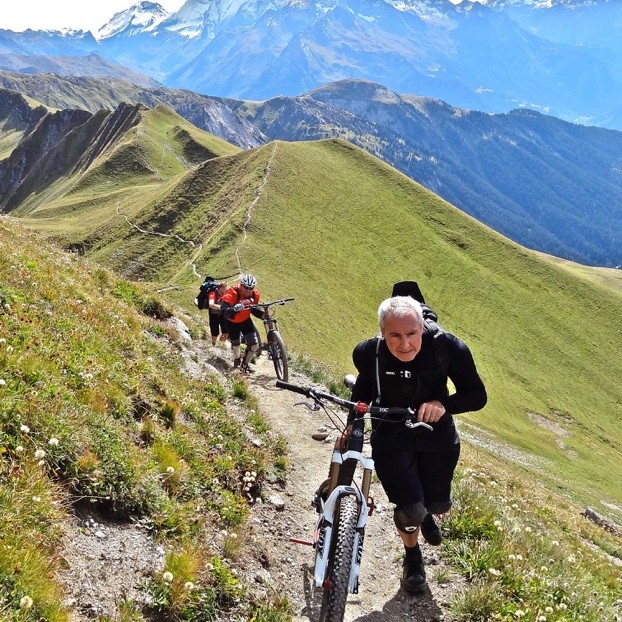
x,y
248,280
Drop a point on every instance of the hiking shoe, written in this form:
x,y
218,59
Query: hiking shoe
x,y
413,575
430,530
236,362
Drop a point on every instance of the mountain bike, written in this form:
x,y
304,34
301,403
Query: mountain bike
x,y
275,344
342,503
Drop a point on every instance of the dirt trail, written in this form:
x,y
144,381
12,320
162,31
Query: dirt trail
x,y
290,565
104,562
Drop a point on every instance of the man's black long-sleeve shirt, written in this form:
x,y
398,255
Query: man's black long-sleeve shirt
x,y
409,384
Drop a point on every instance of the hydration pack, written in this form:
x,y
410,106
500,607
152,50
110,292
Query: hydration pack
x,y
208,285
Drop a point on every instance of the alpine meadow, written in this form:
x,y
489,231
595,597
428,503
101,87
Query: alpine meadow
x,y
149,204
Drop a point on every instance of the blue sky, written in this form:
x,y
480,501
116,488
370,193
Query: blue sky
x,y
58,14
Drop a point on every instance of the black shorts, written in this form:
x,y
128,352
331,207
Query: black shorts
x,y
409,476
217,324
246,329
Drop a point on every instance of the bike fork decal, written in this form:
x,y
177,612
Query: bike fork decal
x,y
321,556
355,568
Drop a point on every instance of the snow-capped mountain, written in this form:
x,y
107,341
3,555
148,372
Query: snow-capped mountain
x,y
561,57
142,17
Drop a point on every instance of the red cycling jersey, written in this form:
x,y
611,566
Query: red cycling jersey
x,y
237,294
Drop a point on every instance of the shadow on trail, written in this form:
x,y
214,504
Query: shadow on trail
x,y
404,606
312,595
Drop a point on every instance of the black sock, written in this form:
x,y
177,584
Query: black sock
x,y
412,551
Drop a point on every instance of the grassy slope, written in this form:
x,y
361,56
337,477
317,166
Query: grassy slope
x,y
337,237
132,173
94,408
335,227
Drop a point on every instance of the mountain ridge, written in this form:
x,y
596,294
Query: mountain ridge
x,y
546,183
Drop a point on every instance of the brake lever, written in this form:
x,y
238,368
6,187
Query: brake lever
x,y
410,423
312,407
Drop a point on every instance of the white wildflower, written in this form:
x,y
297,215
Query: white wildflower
x,y
24,428
39,454
25,602
54,442
167,577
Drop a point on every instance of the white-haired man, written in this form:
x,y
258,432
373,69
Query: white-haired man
x,y
408,365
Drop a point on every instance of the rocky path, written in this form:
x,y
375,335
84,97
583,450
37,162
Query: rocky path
x,y
104,563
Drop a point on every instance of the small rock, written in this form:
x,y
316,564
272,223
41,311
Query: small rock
x,y
277,502
319,436
263,576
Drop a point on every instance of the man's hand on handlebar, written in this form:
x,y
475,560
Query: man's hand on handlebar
x,y
430,412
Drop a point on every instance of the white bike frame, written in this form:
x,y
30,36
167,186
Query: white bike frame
x,y
324,528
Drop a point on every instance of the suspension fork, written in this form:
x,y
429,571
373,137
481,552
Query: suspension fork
x,y
325,524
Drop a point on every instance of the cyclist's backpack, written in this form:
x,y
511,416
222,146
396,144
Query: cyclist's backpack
x,y
208,285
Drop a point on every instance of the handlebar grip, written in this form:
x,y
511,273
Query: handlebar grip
x,y
292,387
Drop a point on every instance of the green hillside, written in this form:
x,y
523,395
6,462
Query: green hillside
x,y
119,177
97,414
334,227
87,359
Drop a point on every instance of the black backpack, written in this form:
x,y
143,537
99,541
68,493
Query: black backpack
x,y
208,285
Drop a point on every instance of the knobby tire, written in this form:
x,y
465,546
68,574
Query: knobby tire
x,y
338,572
279,356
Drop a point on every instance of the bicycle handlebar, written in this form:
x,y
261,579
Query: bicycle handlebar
x,y
280,301
359,407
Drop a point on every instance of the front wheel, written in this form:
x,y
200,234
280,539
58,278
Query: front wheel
x,y
278,354
340,561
